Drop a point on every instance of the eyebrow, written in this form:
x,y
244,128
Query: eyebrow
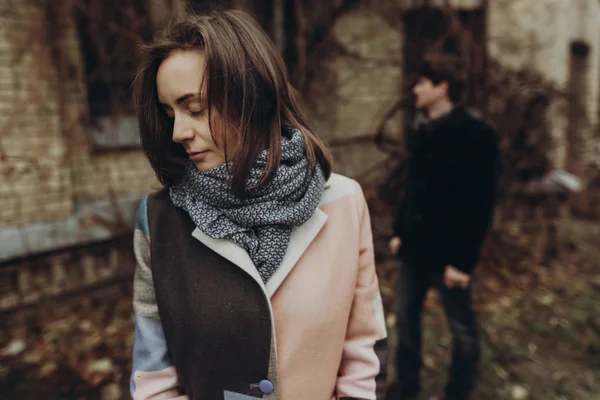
x,y
183,98
186,97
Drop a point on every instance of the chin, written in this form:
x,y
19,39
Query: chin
x,y
207,165
203,166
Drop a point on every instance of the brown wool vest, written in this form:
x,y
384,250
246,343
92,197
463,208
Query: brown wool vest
x,y
216,318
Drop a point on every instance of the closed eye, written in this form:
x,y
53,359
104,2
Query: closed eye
x,y
198,113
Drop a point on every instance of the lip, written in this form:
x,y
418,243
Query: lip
x,y
197,155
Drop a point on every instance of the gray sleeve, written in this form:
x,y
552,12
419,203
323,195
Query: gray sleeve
x,y
144,300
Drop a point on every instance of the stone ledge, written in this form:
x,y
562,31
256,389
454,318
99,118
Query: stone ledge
x,y
31,281
92,222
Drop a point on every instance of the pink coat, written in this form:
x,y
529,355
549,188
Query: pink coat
x,y
324,304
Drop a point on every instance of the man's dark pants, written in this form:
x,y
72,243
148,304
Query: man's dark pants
x,y
412,285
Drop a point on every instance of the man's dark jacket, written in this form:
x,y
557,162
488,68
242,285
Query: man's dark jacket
x,y
449,199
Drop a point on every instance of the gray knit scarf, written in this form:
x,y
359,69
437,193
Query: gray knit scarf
x,y
262,223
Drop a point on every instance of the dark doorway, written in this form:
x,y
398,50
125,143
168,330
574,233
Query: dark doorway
x,y
458,32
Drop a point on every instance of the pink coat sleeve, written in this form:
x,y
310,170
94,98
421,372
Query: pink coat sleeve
x,y
362,373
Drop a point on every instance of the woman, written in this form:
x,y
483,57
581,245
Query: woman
x,y
255,271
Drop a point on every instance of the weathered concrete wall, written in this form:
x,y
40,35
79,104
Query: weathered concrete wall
x,y
538,34
356,84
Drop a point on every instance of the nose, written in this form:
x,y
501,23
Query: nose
x,y
181,130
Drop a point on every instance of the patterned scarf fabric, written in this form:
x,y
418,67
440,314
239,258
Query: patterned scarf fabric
x,y
262,223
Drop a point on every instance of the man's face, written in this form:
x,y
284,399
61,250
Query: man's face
x,y
427,94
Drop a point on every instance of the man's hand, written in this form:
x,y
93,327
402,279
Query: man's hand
x,y
455,278
394,245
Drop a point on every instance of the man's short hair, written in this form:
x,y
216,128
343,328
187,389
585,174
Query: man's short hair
x,y
445,68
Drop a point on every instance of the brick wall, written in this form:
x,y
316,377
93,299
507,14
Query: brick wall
x,y
35,180
49,166
96,174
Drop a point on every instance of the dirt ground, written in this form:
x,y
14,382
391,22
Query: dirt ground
x,y
540,326
540,330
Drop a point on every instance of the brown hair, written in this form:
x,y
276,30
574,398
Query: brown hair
x,y
445,68
246,83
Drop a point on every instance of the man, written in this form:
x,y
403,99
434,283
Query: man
x,y
441,224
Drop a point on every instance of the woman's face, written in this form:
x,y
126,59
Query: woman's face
x,y
178,83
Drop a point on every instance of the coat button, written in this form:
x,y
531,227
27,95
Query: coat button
x,y
265,386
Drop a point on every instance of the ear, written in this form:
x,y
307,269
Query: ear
x,y
444,87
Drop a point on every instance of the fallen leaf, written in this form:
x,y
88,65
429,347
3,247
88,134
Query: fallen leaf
x,y
48,368
519,392
111,392
15,347
103,366
429,362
